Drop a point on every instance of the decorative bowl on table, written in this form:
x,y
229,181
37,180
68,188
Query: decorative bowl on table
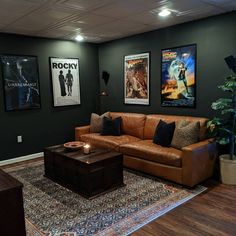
x,y
73,146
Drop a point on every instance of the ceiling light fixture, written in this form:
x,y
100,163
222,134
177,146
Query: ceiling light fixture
x,y
79,38
164,13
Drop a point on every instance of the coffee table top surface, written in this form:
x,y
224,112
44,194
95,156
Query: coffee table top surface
x,y
96,154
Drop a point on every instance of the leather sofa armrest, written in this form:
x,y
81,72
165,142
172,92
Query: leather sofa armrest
x,y
80,131
198,162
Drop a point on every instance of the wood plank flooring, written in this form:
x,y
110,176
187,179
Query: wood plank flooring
x,y
210,213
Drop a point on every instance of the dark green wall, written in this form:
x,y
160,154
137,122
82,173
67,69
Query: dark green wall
x,y
48,125
215,38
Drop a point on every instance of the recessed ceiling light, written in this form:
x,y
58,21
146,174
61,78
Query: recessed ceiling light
x,y
164,13
79,38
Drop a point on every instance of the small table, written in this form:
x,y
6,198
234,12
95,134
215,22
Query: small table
x,y
88,174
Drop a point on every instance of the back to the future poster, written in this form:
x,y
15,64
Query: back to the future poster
x,y
178,85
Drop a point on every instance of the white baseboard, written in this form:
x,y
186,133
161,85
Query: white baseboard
x,y
22,158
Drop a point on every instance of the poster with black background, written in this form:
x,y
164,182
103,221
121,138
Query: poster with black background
x,y
21,82
65,81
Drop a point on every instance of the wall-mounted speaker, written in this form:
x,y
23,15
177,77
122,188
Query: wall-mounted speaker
x,y
231,63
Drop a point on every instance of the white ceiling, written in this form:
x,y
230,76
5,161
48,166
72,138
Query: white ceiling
x,y
101,20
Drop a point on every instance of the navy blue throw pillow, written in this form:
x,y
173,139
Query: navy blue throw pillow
x,y
164,133
111,127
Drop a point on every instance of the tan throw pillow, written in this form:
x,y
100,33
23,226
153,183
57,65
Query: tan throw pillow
x,y
96,122
186,133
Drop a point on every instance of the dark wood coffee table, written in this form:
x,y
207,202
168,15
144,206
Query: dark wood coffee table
x,y
88,174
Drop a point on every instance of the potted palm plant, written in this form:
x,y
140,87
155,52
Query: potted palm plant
x,y
223,128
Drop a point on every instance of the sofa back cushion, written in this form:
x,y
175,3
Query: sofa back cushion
x,y
132,123
153,120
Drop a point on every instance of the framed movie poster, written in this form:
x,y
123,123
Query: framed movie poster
x,y
21,82
136,79
65,81
178,76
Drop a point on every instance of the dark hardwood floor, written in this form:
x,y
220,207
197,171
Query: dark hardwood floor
x,y
210,213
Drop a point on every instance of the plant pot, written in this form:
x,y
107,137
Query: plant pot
x,y
228,170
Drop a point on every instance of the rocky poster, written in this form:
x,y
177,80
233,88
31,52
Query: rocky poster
x,y
178,76
136,79
21,82
65,81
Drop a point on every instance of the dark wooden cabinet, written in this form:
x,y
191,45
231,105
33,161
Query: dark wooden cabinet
x,y
89,175
12,221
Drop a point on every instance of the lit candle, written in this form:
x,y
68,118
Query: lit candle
x,y
86,149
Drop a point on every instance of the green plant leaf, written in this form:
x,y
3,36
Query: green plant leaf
x,y
229,85
223,141
223,128
222,103
225,111
215,121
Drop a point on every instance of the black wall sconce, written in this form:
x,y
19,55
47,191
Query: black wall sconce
x,y
105,77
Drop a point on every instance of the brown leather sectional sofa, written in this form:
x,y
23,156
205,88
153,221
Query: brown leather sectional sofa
x,y
189,166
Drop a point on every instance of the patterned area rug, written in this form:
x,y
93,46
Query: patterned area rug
x,y
53,210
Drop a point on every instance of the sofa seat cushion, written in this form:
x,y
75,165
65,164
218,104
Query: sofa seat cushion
x,y
108,141
148,150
